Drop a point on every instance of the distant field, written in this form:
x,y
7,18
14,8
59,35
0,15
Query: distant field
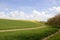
x,y
56,37
35,34
17,24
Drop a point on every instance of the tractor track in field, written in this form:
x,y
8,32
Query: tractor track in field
x,y
46,38
21,29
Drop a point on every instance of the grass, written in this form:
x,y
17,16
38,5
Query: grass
x,y
17,24
55,37
35,34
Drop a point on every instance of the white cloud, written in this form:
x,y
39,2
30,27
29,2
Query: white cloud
x,y
35,15
17,14
56,9
42,16
2,14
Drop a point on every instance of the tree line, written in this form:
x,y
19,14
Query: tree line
x,y
54,20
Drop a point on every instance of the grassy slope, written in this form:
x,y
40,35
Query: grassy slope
x,y
56,37
36,34
11,24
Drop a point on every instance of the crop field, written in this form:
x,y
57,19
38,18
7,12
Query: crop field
x,y
35,34
55,37
17,24
32,34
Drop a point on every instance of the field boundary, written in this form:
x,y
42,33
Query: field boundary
x,y
21,29
46,38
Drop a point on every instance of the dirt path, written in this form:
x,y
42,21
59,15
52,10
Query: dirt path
x,y
21,29
46,38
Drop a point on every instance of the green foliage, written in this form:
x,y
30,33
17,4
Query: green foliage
x,y
35,34
17,24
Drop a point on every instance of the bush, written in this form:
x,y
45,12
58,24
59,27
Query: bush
x,y
55,20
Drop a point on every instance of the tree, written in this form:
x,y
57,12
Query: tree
x,y
54,20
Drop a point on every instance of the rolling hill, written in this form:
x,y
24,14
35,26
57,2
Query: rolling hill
x,y
17,24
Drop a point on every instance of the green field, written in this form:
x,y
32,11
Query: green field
x,y
35,34
55,37
17,24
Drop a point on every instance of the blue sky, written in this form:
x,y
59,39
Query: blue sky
x,y
34,4
29,7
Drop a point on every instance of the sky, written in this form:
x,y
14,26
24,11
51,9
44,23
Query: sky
x,y
40,10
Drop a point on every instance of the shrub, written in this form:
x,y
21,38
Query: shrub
x,y
54,20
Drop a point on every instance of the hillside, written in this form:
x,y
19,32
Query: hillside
x,y
17,24
34,33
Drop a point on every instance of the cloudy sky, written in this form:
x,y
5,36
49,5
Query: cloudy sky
x,y
29,9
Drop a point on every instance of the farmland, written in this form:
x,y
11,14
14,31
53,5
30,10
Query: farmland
x,y
35,34
55,37
32,34
17,24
